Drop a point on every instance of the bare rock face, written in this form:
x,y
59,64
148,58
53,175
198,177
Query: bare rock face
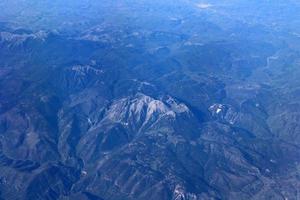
x,y
157,100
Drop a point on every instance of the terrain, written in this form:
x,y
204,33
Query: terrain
x,y
158,100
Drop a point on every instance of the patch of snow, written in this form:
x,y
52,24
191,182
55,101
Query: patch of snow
x,y
155,106
204,5
84,173
84,69
216,108
125,123
146,83
179,193
190,43
224,112
20,38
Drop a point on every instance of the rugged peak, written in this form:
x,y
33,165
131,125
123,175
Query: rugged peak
x,y
142,109
19,38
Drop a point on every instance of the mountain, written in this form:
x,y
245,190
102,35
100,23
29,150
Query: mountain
x,y
157,100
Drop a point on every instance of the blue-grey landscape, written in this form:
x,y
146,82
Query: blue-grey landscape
x,y
149,100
